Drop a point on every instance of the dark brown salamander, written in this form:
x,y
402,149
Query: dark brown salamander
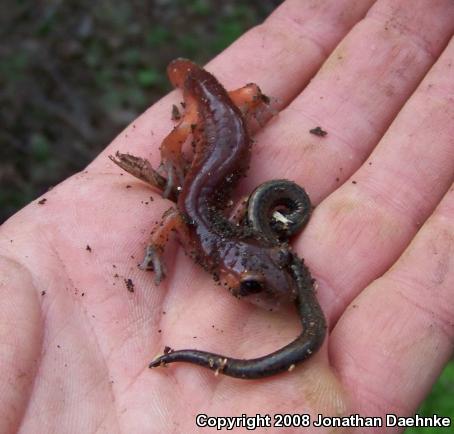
x,y
250,257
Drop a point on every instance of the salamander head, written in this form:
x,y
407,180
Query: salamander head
x,y
260,275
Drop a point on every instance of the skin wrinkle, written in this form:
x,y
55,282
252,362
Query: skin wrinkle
x,y
395,205
321,46
334,61
396,51
433,319
163,413
380,221
99,427
127,338
35,379
398,23
19,417
411,282
234,320
446,252
339,15
396,406
327,395
375,401
363,390
91,327
279,337
365,393
437,106
420,196
121,342
404,33
375,120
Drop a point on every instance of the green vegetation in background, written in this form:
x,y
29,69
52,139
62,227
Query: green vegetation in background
x,y
439,402
75,73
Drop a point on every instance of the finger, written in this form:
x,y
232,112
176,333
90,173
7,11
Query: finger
x,y
354,97
362,228
283,53
292,43
392,342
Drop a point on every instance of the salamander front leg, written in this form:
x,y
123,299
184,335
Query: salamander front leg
x,y
171,222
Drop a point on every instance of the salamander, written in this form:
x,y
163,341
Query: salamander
x,y
250,253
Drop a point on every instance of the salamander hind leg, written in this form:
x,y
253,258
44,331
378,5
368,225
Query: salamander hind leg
x,y
170,175
254,105
140,168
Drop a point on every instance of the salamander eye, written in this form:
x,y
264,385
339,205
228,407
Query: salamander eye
x,y
250,285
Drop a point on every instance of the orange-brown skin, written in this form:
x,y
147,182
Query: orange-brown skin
x,y
251,264
221,157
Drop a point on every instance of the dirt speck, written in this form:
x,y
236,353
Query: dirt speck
x,y
176,115
318,131
129,285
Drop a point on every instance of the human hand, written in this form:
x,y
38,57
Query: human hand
x,y
75,344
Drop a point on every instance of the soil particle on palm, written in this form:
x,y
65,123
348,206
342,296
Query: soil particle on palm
x,y
129,285
318,131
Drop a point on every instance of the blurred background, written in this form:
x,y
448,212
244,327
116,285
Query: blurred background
x,y
73,74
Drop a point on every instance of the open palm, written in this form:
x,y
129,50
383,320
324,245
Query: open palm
x,y
80,322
